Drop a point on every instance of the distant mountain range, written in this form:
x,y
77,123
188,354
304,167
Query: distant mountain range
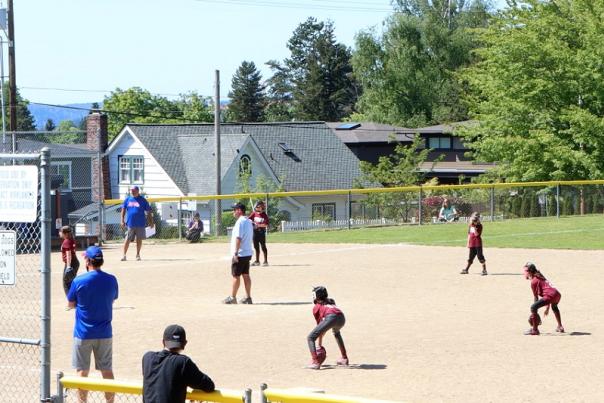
x,y
42,113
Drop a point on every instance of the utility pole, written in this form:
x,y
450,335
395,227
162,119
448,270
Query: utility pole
x,y
12,79
217,202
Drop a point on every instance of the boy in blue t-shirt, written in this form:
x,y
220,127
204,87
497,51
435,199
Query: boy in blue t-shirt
x,y
136,212
92,295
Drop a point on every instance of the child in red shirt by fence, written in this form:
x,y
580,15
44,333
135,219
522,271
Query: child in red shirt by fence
x,y
328,316
475,244
70,260
549,296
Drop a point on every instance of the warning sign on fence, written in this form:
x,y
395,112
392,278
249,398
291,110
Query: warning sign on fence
x,y
18,193
8,251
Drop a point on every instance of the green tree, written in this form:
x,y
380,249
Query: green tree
x,y
408,73
248,99
398,169
49,125
537,91
318,73
66,133
279,106
25,120
137,105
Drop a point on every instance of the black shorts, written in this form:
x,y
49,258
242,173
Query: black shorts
x,y
241,266
476,251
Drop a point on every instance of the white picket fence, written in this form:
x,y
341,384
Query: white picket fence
x,y
292,226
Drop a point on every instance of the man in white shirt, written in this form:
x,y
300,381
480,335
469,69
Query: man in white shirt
x,y
241,252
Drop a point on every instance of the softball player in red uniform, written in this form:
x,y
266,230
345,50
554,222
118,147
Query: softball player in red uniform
x,y
328,316
545,294
475,244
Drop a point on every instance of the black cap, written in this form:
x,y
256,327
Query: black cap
x,y
239,206
175,337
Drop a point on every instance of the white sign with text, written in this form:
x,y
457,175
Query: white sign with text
x,y
8,251
18,193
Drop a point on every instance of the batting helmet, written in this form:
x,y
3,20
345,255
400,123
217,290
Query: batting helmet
x,y
319,293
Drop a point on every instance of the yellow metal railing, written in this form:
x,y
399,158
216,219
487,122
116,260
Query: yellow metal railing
x,y
289,396
136,388
506,185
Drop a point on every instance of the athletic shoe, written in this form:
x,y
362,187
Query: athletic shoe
x,y
138,258
256,263
314,365
123,259
560,329
229,301
531,332
247,301
484,273
265,264
464,271
342,362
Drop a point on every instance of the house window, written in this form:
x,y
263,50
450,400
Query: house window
x,y
440,143
324,211
458,144
132,169
362,211
62,168
245,165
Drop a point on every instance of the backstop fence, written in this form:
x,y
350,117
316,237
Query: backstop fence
x,y
25,277
353,208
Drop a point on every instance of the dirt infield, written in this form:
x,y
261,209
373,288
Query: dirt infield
x,y
416,330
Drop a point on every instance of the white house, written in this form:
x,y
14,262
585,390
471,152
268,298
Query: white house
x,y
177,160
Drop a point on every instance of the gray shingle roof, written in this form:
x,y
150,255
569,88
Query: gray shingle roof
x,y
56,150
318,161
370,132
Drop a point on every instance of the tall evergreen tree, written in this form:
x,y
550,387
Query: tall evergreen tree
x,y
318,73
49,125
248,99
25,120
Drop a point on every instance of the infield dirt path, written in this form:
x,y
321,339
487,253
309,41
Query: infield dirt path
x,y
416,330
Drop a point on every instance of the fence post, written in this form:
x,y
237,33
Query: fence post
x,y
349,204
263,398
247,398
59,396
492,203
179,218
266,211
558,200
45,274
419,206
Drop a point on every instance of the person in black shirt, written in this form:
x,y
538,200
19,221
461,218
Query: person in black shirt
x,y
167,373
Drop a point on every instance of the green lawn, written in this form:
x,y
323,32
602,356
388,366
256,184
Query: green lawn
x,y
586,232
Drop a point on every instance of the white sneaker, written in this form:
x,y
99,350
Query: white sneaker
x,y
123,259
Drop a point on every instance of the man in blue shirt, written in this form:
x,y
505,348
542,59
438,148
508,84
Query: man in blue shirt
x,y
241,252
136,212
92,295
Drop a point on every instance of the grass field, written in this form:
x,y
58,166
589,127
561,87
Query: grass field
x,y
584,232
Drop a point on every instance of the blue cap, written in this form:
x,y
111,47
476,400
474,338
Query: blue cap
x,y
135,188
94,252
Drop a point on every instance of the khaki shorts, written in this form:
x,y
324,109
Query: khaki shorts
x,y
102,350
136,232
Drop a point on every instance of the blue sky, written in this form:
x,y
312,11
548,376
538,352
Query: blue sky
x,y
166,47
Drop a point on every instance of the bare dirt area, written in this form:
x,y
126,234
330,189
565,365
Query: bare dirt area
x,y
416,329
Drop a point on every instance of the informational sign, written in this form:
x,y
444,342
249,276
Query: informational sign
x,y
18,193
8,251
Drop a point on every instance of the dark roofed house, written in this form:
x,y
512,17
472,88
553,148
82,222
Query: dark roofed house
x,y
178,160
370,141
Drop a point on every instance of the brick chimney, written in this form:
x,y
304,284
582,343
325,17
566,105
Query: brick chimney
x,y
96,134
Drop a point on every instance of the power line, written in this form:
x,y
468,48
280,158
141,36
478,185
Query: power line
x,y
87,90
299,5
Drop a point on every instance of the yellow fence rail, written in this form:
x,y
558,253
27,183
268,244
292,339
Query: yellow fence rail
x,y
136,388
507,185
289,396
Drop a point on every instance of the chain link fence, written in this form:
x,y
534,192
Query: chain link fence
x,y
24,304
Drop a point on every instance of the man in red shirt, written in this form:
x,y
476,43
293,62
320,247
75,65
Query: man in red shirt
x,y
475,244
260,220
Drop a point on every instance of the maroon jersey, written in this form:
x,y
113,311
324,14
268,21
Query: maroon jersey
x,y
543,288
474,235
320,311
259,218
68,245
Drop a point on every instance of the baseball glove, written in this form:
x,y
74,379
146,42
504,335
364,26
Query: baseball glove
x,y
69,273
321,354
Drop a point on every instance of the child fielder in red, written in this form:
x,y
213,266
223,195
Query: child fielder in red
x,y
545,294
475,244
328,316
68,254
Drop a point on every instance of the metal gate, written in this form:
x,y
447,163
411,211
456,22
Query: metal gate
x,y
25,277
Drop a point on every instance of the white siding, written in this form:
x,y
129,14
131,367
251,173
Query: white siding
x,y
156,180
